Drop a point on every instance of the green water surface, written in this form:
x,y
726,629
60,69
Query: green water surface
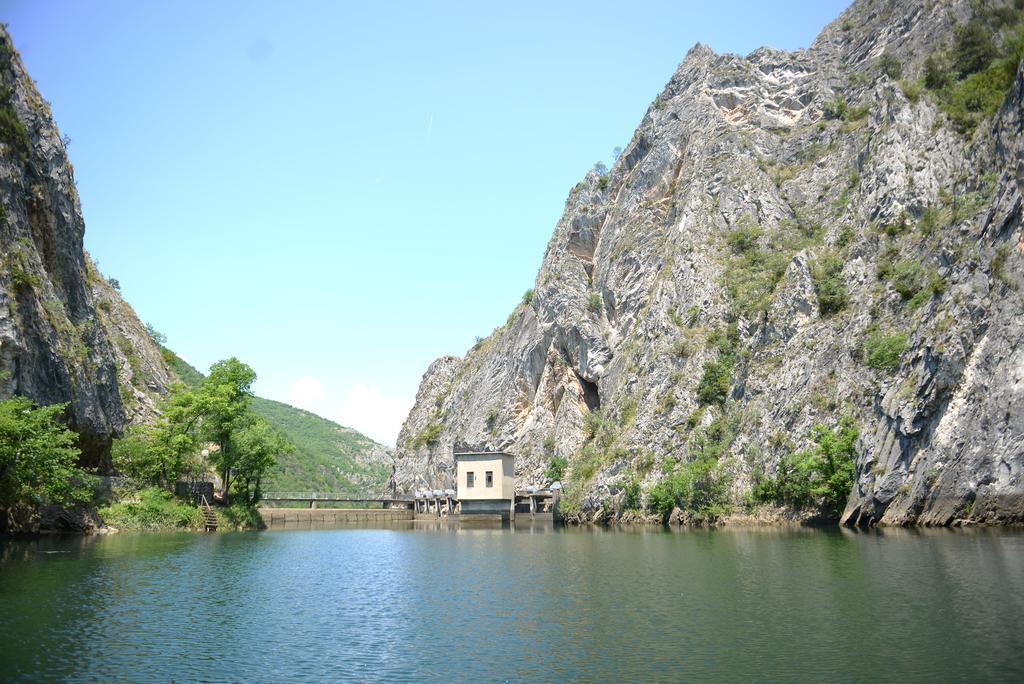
x,y
533,604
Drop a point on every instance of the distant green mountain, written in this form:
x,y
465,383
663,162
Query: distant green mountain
x,y
328,457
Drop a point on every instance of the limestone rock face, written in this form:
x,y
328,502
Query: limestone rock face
x,y
741,181
65,333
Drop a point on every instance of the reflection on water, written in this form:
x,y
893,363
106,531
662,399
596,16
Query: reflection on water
x,y
436,601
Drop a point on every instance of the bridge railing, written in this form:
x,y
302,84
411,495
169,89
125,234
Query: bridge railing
x,y
324,496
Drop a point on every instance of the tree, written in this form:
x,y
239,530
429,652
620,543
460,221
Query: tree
x,y
556,468
157,454
827,275
974,48
216,411
157,336
936,76
133,455
890,65
835,453
222,401
714,384
256,448
38,456
211,412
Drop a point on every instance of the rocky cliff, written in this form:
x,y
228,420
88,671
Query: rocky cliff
x,y
788,238
65,333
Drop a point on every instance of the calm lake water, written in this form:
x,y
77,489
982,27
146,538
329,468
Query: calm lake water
x,y
515,605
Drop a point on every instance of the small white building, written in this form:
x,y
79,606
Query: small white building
x,y
485,482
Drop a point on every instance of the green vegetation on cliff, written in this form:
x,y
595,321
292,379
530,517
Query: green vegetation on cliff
x,y
700,487
882,351
827,274
716,380
972,77
819,477
12,131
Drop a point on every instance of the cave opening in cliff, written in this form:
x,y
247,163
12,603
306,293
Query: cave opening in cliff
x,y
591,397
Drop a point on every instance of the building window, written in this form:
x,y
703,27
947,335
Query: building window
x,y
489,478
470,477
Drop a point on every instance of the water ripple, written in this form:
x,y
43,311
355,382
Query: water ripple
x,y
500,605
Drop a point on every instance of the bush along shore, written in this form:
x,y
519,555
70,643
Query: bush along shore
x,y
203,431
155,509
809,486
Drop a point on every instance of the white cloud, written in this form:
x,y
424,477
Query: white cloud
x,y
365,409
307,393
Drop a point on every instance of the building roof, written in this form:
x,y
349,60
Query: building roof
x,y
480,453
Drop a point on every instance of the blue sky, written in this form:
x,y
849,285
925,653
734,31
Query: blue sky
x,y
338,193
